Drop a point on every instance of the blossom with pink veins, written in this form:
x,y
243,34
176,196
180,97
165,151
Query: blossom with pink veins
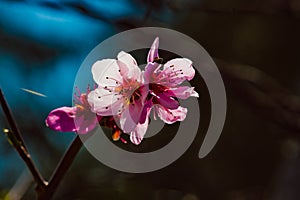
x,y
164,85
120,93
125,96
129,94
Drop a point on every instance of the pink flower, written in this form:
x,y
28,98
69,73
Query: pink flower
x,y
125,96
129,94
77,119
164,90
120,93
164,85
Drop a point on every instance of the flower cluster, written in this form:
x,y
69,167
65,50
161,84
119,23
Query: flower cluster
x,y
126,96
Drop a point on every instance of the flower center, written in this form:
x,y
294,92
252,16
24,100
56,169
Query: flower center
x,y
129,90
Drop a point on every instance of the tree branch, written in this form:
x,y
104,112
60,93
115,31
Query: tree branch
x,y
263,92
18,142
61,170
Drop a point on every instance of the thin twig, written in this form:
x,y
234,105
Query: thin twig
x,y
264,92
61,169
19,144
10,119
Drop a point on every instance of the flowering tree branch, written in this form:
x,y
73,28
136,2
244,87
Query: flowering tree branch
x,y
255,87
16,140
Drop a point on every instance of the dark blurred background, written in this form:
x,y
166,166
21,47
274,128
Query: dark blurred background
x,y
255,45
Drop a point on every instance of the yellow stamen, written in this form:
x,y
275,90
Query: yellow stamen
x,y
127,101
79,106
118,89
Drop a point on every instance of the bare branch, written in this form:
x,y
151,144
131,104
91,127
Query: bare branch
x,y
264,92
61,170
18,142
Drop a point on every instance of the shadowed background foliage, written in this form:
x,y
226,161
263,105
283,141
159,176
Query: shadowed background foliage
x,y
256,46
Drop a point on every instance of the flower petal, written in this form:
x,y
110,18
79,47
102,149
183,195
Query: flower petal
x,y
167,100
106,72
145,112
153,52
127,59
150,72
170,116
137,135
85,121
62,119
131,116
178,70
105,102
133,71
127,123
184,92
